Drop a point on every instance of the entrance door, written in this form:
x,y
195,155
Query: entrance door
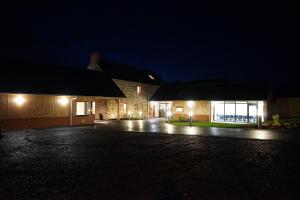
x,y
163,109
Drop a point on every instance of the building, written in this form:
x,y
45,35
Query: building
x,y
137,85
40,96
224,101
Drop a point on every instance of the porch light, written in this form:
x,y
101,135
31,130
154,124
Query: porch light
x,y
19,100
63,101
190,104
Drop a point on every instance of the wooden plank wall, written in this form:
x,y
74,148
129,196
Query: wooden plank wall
x,y
35,106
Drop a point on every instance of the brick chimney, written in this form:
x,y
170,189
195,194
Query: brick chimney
x,y
94,62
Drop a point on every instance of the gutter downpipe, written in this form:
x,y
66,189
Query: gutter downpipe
x,y
71,111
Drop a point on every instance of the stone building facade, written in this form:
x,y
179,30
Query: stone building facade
x,y
136,102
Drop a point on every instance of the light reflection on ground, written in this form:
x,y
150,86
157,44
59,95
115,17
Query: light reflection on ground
x,y
159,126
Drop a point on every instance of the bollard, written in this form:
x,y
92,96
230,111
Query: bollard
x,y
190,118
259,122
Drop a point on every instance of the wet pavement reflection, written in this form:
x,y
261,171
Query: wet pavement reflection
x,y
116,160
160,126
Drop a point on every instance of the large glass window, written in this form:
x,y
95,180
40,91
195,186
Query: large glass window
x,y
236,111
241,112
218,111
85,108
230,111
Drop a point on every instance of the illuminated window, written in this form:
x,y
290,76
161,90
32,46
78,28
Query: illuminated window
x,y
139,89
93,108
179,109
85,108
151,77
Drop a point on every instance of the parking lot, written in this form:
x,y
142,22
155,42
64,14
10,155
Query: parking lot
x,y
103,162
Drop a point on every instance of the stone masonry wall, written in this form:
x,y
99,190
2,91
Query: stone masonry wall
x,y
135,102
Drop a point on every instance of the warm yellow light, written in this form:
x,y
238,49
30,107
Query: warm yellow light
x,y
190,114
140,113
19,100
63,101
129,112
190,104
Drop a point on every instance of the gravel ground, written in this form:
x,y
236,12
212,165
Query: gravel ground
x,y
88,163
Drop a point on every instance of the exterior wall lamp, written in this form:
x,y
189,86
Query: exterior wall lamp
x,y
19,100
63,101
190,104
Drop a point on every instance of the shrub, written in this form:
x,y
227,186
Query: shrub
x,y
276,120
182,118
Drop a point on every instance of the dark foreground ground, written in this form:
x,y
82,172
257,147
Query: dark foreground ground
x,y
88,163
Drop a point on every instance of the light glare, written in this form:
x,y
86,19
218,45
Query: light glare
x,y
19,100
63,101
190,104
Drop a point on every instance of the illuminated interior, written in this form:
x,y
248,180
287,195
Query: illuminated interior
x,y
85,108
237,111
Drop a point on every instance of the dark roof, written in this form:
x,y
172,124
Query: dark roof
x,y
129,73
56,80
212,90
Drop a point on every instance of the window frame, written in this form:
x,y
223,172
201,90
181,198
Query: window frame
x,y
179,107
88,105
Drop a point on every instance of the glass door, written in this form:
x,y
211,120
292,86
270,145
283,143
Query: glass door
x,y
163,109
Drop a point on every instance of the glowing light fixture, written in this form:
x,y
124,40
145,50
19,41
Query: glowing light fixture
x,y
19,100
63,101
190,104
190,114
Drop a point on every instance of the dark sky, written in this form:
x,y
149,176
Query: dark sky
x,y
180,40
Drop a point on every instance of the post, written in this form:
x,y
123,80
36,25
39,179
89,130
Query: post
x,y
129,115
118,109
71,111
190,118
259,121
169,114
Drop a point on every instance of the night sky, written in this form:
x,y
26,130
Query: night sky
x,y
179,40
